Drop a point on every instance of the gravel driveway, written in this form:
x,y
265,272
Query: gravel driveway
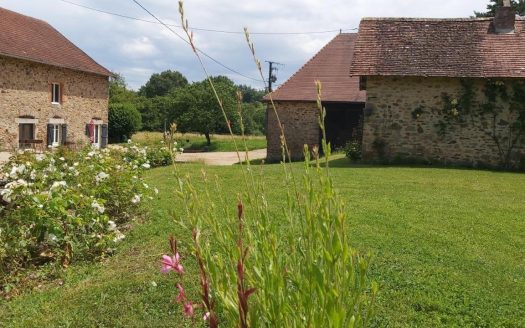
x,y
220,158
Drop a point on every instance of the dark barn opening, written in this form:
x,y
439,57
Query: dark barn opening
x,y
343,123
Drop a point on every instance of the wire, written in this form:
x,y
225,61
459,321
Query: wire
x,y
204,29
200,51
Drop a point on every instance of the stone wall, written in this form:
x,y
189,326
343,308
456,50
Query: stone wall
x,y
301,126
390,121
25,91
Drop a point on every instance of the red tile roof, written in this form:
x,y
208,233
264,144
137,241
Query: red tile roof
x,y
330,66
31,39
438,47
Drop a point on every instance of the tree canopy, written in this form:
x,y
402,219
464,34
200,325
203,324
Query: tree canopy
x,y
196,109
518,5
160,84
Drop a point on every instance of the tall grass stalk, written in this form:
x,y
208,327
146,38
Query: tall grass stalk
x,y
293,267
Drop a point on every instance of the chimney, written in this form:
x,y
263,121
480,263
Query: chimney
x,y
505,18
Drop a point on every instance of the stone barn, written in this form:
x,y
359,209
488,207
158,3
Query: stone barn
x,y
444,90
296,102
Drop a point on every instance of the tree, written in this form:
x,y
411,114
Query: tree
x,y
161,84
157,112
119,92
254,118
518,5
124,120
196,108
250,94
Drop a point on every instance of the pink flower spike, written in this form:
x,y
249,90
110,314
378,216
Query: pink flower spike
x,y
182,294
206,316
171,263
188,310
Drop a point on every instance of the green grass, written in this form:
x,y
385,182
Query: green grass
x,y
448,250
197,142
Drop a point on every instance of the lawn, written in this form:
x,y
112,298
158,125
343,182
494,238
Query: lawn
x,y
448,249
195,142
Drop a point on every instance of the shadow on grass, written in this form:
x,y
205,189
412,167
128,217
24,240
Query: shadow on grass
x,y
343,162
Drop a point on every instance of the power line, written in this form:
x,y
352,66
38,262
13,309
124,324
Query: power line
x,y
203,29
197,49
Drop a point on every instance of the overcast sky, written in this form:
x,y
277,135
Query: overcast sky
x,y
137,49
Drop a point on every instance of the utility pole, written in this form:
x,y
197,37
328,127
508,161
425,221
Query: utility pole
x,y
272,78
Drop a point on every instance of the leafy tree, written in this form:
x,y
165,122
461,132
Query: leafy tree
x,y
254,118
518,5
119,92
196,109
161,84
250,94
156,112
124,120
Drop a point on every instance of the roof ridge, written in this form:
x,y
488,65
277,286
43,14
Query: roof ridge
x,y
310,60
429,19
26,16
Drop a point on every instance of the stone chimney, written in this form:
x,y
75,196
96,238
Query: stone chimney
x,y
505,18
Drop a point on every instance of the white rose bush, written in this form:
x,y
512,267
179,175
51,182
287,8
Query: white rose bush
x,y
63,206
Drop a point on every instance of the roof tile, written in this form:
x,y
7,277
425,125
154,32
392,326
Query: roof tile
x,y
438,47
330,66
32,39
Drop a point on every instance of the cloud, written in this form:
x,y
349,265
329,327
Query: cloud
x,y
138,49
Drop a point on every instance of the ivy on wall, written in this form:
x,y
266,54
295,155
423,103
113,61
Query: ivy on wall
x,y
500,114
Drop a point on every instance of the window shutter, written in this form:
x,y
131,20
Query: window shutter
x,y
87,130
61,93
64,134
104,141
51,93
49,134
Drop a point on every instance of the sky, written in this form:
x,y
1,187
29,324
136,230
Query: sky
x,y
137,49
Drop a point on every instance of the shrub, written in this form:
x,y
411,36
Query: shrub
x,y
151,156
65,206
353,150
124,120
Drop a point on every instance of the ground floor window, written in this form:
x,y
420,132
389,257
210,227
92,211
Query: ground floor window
x,y
56,133
26,135
97,133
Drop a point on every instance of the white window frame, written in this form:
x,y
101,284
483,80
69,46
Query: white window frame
x,y
57,135
97,135
55,93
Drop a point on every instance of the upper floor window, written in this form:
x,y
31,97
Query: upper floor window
x,y
56,93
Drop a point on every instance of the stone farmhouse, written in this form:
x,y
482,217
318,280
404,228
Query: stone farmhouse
x,y
51,92
437,90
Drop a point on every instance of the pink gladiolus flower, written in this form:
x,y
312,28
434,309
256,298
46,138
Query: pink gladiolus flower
x,y
182,295
188,310
206,316
171,263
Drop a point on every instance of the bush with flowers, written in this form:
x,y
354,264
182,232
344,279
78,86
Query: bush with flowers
x,y
156,155
65,206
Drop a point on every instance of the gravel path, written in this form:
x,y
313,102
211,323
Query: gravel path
x,y
220,158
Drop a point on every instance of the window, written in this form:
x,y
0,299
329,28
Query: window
x,y
55,93
55,135
26,134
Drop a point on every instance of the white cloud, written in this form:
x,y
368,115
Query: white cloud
x,y
139,48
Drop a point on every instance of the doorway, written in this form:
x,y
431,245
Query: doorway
x,y
343,123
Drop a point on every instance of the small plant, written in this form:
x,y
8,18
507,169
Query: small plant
x,y
353,150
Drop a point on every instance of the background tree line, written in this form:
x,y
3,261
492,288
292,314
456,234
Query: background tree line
x,y
169,98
